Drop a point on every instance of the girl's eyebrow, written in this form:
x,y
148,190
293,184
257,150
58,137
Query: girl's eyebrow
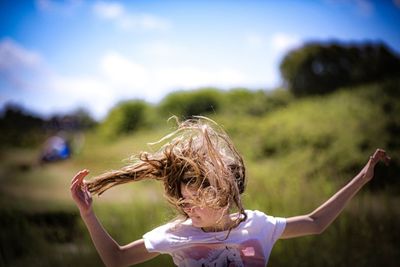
x,y
189,196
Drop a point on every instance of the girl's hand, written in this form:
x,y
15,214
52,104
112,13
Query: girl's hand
x,y
80,193
379,155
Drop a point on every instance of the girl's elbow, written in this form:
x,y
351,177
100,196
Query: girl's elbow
x,y
110,264
113,263
321,227
319,230
318,227
115,259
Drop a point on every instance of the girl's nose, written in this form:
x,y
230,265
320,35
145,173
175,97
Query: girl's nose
x,y
191,209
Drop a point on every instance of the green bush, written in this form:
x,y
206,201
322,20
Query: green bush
x,y
189,103
20,128
241,101
125,118
337,133
245,101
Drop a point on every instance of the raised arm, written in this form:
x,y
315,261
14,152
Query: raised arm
x,y
110,251
318,220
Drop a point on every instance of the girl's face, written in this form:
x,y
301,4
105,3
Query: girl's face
x,y
209,219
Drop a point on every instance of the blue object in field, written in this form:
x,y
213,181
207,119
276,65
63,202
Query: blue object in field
x,y
64,151
55,148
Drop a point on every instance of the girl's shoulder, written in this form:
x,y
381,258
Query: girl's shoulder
x,y
254,215
259,218
177,227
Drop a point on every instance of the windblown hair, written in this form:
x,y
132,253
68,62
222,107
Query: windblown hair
x,y
198,154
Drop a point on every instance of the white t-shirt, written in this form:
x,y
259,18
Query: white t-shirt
x,y
249,244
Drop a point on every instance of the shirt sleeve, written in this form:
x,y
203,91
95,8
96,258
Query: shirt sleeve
x,y
272,227
165,238
280,224
157,239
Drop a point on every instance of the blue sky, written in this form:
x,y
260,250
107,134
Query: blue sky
x,y
56,56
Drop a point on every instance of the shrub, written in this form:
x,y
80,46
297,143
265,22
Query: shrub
x,y
188,103
125,118
245,101
20,127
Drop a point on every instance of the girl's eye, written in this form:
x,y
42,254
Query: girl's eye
x,y
186,206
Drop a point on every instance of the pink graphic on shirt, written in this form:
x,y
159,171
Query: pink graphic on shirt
x,y
248,253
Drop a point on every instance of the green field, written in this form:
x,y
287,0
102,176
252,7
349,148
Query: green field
x,y
296,155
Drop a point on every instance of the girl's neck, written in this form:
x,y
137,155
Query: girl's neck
x,y
226,223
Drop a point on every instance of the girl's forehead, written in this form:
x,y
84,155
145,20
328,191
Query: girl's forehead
x,y
188,191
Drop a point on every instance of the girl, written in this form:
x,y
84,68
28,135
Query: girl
x,y
204,177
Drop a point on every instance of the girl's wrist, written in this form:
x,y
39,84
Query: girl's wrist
x,y
367,174
86,212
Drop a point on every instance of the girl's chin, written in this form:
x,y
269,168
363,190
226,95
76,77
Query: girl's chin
x,y
197,222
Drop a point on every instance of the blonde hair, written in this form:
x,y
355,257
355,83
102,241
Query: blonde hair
x,y
198,154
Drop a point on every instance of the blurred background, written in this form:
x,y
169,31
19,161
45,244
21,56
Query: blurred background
x,y
306,89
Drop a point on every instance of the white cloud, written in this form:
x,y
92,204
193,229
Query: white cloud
x,y
154,81
231,77
90,92
192,77
13,56
18,65
166,79
123,72
159,49
118,14
255,40
65,7
186,77
282,42
279,42
144,21
108,10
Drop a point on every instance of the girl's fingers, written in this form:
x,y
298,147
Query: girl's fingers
x,y
83,173
78,178
380,155
85,189
74,187
387,159
87,198
79,189
73,183
75,180
81,197
76,184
